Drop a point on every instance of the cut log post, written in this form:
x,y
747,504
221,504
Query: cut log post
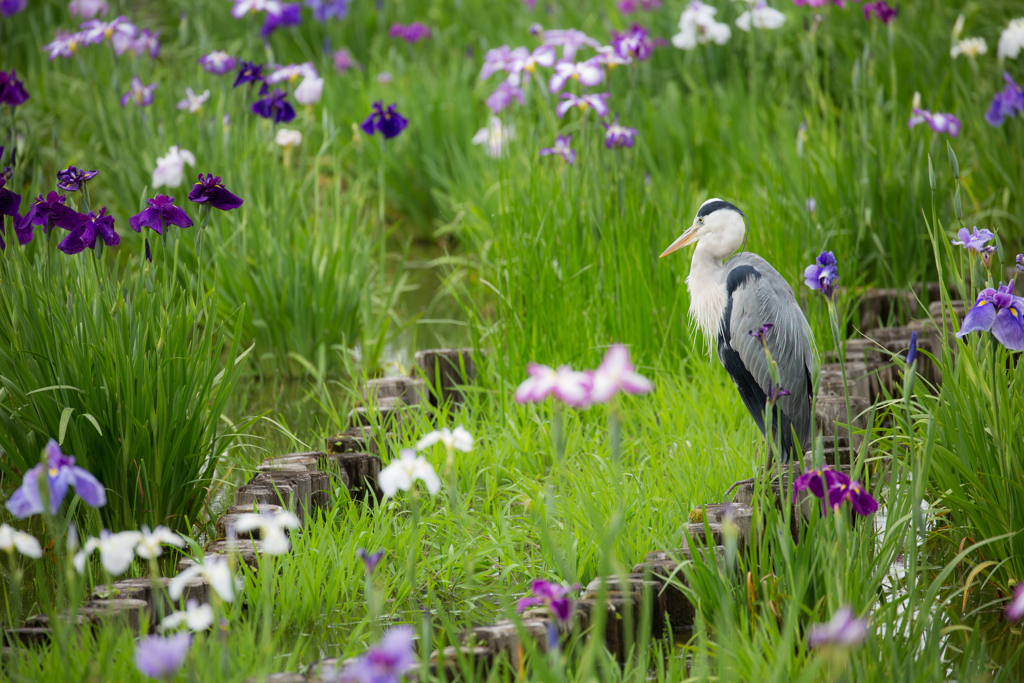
x,y
678,609
322,491
445,372
248,551
347,442
259,508
958,307
409,390
388,414
132,612
307,461
832,419
879,307
264,493
29,636
859,376
300,481
640,588
454,661
503,637
361,471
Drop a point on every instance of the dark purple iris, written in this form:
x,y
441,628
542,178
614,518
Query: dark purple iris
x,y
250,72
820,482
161,212
912,351
275,106
288,15
1000,312
823,275
9,8
23,233
862,502
760,333
370,561
90,227
881,8
1007,103
388,122
413,33
209,190
554,596
50,211
12,91
10,202
71,178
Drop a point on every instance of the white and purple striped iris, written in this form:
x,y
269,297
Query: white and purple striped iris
x,y
940,123
567,385
500,59
842,630
523,60
96,31
64,44
597,101
141,95
292,73
503,96
588,73
570,40
243,7
561,149
218,62
617,135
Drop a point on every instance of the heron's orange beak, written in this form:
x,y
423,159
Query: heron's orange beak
x,y
687,237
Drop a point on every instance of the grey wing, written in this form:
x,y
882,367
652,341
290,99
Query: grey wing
x,y
758,295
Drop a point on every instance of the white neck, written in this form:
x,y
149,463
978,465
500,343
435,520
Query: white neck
x,y
706,284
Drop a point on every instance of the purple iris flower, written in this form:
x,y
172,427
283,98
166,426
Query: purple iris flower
x,y
1008,103
776,393
148,43
842,630
162,656
912,351
250,72
64,44
324,10
561,149
209,190
554,596
999,312
497,59
89,228
862,502
1020,262
387,661
412,33
882,9
503,96
289,14
61,473
370,560
71,178
275,106
50,211
617,135
820,482
10,202
118,31
588,73
761,333
940,123
630,6
12,91
141,95
161,212
570,40
635,43
388,122
597,101
343,61
218,63
1015,610
9,8
823,274
974,241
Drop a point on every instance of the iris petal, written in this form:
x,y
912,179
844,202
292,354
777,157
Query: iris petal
x,y
1008,326
979,318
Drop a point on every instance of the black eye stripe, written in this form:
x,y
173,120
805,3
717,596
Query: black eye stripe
x,y
711,207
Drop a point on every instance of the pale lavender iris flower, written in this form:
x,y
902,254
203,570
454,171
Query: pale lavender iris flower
x,y
1015,610
823,274
503,96
973,240
570,40
844,630
218,62
160,657
561,149
1007,103
597,101
139,94
1000,312
940,123
553,596
387,661
617,135
588,73
61,473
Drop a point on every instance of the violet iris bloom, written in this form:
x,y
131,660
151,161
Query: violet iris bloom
x,y
162,656
1020,262
284,15
89,228
119,31
51,211
499,59
209,190
973,241
761,333
561,149
617,135
567,385
388,122
412,33
10,202
161,212
343,61
387,661
940,123
842,630
862,502
64,44
912,351
552,595
324,10
820,482
630,6
9,8
587,73
218,63
71,178
823,275
275,106
616,373
1008,103
570,40
503,96
61,473
250,72
12,91
882,9
141,95
148,43
635,43
524,60
1015,610
599,102
998,312
370,561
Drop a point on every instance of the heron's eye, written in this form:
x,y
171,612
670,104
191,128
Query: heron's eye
x,y
700,220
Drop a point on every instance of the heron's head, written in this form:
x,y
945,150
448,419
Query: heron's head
x,y
719,224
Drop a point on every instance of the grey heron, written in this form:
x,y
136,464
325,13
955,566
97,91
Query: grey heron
x,y
735,294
